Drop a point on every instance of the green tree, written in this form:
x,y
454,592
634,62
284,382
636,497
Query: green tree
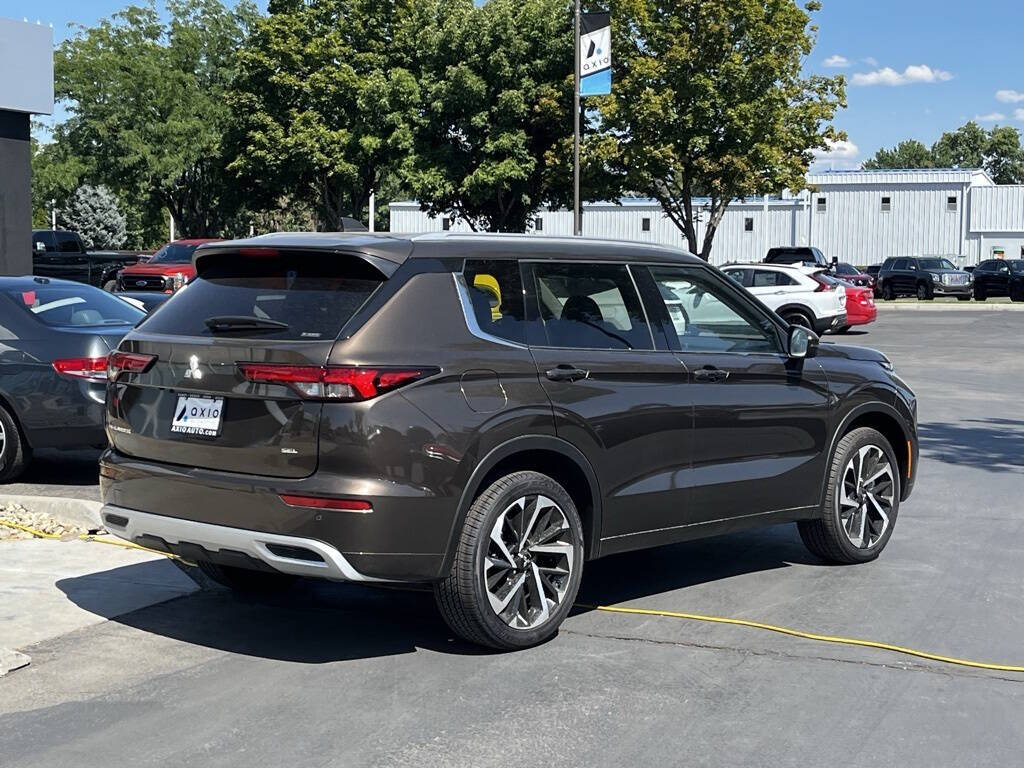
x,y
95,214
55,175
1004,157
494,135
709,99
906,154
962,148
146,99
324,100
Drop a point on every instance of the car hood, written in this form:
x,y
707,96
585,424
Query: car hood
x,y
828,349
159,269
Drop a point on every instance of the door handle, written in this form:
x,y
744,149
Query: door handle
x,y
710,375
567,373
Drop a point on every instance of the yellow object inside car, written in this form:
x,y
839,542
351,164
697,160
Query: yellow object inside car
x,y
489,285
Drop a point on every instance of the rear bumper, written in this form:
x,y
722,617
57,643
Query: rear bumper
x,y
830,323
288,554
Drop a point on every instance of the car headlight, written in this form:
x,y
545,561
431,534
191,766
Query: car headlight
x,y
936,277
177,281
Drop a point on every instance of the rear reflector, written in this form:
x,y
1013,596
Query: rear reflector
x,y
127,362
318,502
344,383
92,368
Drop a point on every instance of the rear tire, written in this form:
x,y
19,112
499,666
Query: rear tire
x,y
843,329
245,580
15,454
867,509
800,318
979,293
887,292
924,292
518,564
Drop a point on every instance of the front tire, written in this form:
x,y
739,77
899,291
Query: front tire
x,y
110,286
887,292
924,292
862,503
518,564
842,329
963,298
14,451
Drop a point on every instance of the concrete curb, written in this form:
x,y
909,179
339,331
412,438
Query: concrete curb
x,y
78,512
12,660
960,306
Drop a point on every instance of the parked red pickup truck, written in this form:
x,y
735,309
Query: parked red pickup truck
x,y
168,270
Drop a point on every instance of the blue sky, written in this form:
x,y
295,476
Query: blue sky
x,y
915,68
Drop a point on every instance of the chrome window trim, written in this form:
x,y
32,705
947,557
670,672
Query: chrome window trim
x,y
462,289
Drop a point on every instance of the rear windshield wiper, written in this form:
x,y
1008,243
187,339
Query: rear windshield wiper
x,y
243,323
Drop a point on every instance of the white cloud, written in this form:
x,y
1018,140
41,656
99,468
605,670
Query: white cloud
x,y
840,155
915,73
991,117
871,61
1019,114
1009,96
837,61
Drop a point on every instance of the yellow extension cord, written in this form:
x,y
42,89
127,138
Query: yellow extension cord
x,y
652,612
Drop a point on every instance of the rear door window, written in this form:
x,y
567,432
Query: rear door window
x,y
590,306
286,296
764,278
68,243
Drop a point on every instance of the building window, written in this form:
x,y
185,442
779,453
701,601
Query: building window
x,y
748,224
951,203
886,204
646,225
446,223
538,224
822,204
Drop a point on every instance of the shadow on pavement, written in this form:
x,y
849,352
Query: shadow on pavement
x,y
78,468
996,445
320,622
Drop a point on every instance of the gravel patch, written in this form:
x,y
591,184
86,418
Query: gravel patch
x,y
39,521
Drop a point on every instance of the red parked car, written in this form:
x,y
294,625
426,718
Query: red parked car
x,y
168,270
860,306
851,274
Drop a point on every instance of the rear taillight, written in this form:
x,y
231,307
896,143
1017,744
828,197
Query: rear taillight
x,y
822,285
92,368
347,383
128,362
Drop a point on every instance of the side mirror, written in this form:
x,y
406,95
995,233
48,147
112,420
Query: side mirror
x,y
803,342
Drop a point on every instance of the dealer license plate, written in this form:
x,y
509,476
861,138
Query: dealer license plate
x,y
200,416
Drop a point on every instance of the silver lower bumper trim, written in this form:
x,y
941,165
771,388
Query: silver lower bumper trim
x,y
215,538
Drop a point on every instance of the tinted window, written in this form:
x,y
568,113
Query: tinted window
x,y
43,241
590,306
174,253
496,295
708,318
1017,265
888,264
899,264
846,269
742,277
935,264
313,293
68,243
59,305
764,278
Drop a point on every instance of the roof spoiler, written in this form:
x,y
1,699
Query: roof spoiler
x,y
207,255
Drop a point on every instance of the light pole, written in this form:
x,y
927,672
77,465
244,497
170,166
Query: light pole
x,y
577,214
53,214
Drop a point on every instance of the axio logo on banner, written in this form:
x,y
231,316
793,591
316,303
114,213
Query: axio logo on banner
x,y
595,54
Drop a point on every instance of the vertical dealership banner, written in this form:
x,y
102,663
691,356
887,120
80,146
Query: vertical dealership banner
x,y
595,54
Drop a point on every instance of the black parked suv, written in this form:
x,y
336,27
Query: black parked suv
x,y
797,255
485,414
999,277
925,278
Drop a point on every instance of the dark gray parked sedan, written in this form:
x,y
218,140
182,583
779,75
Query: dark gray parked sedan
x,y
485,414
56,335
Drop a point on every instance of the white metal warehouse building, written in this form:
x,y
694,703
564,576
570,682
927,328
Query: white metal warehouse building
x,y
860,217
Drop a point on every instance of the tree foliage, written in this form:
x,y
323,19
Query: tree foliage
x,y
997,151
147,110
710,99
95,214
324,100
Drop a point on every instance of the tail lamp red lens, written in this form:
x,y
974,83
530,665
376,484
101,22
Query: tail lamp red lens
x,y
91,368
320,502
343,383
128,362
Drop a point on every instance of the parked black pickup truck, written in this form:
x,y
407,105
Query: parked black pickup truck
x,y
60,253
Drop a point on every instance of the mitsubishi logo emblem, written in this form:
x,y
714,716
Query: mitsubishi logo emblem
x,y
193,371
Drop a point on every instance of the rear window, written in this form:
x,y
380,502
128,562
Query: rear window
x,y
77,306
312,294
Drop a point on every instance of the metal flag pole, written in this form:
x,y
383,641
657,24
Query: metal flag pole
x,y
577,217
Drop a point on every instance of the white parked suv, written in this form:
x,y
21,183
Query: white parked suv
x,y
800,295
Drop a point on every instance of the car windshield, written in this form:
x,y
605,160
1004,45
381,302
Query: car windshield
x,y
846,269
935,264
59,305
174,253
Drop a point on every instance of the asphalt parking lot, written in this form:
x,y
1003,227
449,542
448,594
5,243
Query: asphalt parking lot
x,y
340,675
